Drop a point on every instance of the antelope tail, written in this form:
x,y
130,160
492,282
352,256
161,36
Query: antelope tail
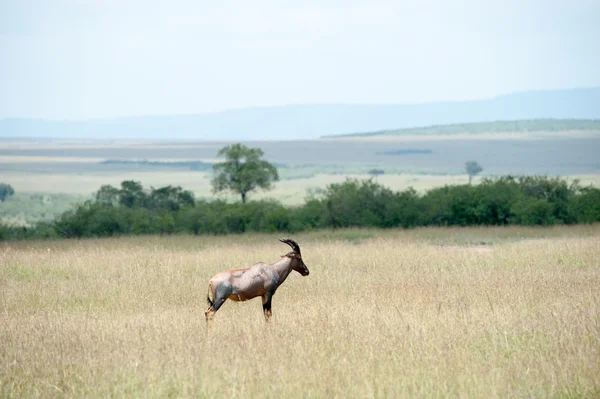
x,y
208,300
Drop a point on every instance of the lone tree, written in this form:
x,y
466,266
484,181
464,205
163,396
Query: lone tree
x,y
243,171
472,169
6,191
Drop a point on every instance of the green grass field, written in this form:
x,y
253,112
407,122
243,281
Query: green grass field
x,y
478,312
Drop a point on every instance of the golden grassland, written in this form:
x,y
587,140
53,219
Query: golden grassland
x,y
420,313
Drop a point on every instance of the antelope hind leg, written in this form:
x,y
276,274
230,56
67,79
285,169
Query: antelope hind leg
x,y
222,292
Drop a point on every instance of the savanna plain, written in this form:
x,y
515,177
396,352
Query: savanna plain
x,y
432,312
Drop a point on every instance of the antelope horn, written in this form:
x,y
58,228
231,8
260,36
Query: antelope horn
x,y
291,243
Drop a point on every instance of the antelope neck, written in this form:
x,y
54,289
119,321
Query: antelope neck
x,y
282,269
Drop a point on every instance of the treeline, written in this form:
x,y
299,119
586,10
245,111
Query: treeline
x,y
131,209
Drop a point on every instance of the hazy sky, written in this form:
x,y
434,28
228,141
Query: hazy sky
x,y
77,59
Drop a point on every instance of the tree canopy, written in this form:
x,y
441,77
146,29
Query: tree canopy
x,y
133,195
472,169
6,191
243,171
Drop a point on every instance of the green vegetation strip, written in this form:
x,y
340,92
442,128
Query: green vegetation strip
x,y
132,209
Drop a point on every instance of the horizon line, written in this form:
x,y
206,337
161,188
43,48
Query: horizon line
x,y
248,108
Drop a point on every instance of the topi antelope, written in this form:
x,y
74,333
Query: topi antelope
x,y
260,279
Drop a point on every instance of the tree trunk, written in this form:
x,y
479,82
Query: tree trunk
x,y
470,177
243,198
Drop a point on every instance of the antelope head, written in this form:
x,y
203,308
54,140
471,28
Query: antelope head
x,y
295,256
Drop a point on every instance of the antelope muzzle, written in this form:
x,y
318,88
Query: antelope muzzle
x,y
304,270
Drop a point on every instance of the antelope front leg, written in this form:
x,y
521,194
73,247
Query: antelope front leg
x,y
266,300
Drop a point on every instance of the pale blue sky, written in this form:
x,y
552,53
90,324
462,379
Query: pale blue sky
x,y
77,59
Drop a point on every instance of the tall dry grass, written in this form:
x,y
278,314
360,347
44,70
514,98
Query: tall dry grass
x,y
383,314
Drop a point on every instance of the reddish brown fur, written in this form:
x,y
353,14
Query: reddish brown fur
x,y
260,279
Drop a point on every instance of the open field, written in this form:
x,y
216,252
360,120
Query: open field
x,y
75,167
554,156
479,312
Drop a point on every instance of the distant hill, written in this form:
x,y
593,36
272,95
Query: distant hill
x,y
313,121
522,126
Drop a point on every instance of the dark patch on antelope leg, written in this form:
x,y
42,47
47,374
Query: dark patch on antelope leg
x,y
222,292
267,305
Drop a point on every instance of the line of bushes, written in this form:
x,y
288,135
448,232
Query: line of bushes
x,y
131,209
